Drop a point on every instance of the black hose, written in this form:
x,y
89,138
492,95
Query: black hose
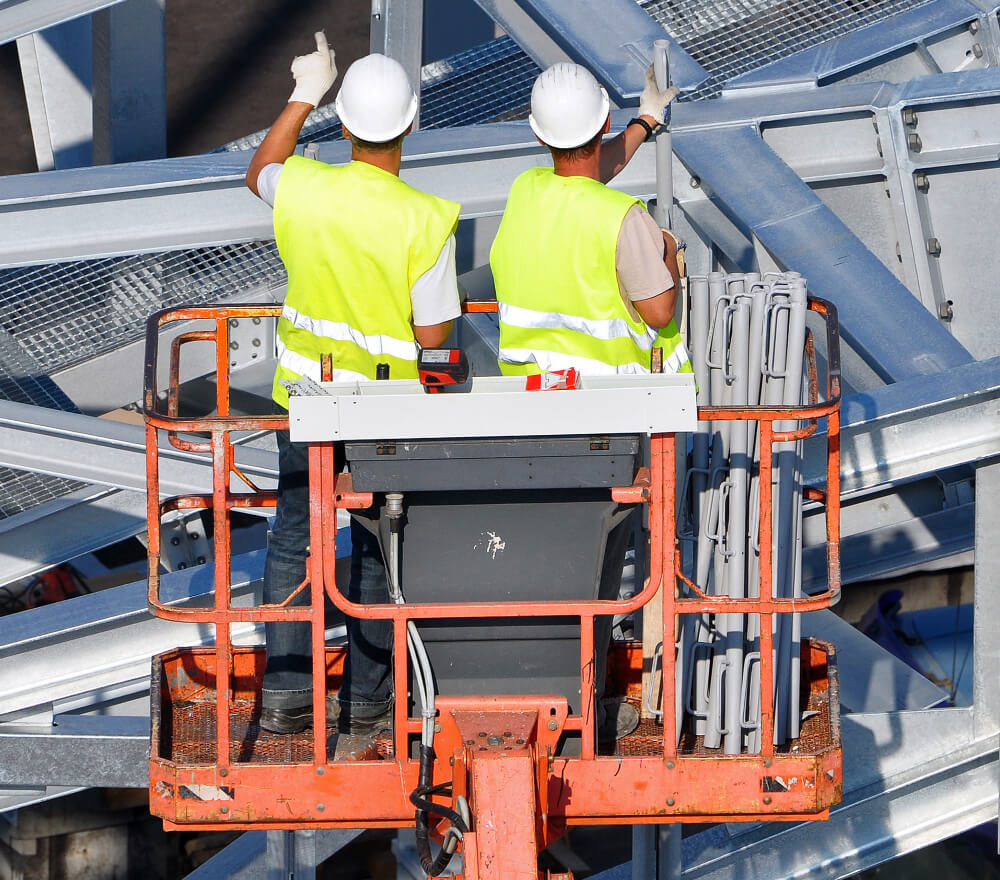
x,y
420,798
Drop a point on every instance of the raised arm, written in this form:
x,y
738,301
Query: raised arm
x,y
618,152
314,74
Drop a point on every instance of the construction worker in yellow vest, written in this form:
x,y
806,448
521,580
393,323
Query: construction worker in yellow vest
x,y
584,277
371,275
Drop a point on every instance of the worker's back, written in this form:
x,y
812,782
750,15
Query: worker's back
x,y
354,238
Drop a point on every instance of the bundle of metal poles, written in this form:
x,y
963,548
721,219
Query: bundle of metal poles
x,y
747,335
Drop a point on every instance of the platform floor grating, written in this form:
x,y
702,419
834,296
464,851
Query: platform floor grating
x,y
194,724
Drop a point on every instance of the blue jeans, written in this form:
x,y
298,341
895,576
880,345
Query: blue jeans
x,y
366,689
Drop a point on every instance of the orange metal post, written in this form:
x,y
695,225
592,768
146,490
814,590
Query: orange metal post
x,y
505,807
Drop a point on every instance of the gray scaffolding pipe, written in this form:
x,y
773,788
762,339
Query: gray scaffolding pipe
x,y
747,338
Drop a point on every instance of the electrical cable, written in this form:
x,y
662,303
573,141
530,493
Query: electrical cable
x,y
424,678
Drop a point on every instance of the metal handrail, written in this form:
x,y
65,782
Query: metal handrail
x,y
330,491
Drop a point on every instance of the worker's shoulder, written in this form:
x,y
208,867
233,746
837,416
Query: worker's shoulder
x,y
427,202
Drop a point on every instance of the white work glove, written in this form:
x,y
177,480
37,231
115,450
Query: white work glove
x,y
314,73
653,102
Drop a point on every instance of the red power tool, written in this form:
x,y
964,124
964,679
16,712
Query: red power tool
x,y
442,366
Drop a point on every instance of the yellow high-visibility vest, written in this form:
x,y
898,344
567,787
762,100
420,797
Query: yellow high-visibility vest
x,y
553,265
354,239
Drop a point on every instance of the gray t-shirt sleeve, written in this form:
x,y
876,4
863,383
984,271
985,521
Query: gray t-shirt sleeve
x,y
639,257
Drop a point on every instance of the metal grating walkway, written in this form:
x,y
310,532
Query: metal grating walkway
x,y
732,37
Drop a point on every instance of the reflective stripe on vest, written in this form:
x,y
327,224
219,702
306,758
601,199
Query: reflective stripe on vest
x,y
354,239
553,265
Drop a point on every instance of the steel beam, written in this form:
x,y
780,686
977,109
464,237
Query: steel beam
x,y
614,40
910,779
526,32
876,310
397,29
130,84
77,750
56,69
108,453
868,47
159,205
986,617
20,17
82,651
901,431
68,527
202,201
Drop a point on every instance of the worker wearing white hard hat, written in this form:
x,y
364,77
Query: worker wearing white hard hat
x,y
371,275
584,277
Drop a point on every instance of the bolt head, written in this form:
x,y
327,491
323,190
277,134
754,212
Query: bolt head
x,y
321,807
553,725
320,771
223,810
223,772
767,799
670,802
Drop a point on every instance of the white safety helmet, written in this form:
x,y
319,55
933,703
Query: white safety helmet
x,y
568,106
376,101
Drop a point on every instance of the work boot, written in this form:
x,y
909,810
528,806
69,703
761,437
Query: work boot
x,y
353,725
297,719
620,719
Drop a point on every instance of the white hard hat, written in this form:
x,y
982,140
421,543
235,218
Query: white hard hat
x,y
376,101
568,106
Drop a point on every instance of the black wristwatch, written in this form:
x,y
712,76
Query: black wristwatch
x,y
637,121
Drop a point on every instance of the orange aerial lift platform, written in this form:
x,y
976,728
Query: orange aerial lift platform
x,y
495,775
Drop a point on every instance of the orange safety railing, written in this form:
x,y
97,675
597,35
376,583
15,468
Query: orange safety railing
x,y
670,785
